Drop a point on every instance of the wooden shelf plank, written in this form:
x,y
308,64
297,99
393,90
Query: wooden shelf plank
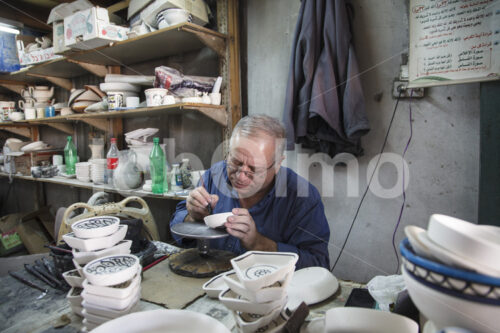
x,y
92,186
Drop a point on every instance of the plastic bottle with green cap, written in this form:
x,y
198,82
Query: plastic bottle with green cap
x,y
70,156
157,165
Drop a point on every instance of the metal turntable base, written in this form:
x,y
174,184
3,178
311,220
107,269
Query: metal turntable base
x,y
201,261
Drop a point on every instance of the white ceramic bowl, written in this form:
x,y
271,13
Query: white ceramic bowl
x,y
236,302
217,220
93,244
259,269
73,278
95,227
111,270
466,239
360,320
215,285
446,310
82,258
412,232
172,321
111,302
16,116
74,296
175,16
267,294
109,313
248,323
120,291
311,285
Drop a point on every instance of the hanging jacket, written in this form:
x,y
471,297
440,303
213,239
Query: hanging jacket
x,y
324,103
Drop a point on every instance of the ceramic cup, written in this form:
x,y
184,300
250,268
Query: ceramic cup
x,y
30,113
132,102
40,112
29,102
50,111
115,100
155,96
57,159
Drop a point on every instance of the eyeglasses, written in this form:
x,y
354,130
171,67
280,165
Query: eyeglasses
x,y
235,165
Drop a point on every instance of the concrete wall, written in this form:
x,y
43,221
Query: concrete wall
x,y
443,157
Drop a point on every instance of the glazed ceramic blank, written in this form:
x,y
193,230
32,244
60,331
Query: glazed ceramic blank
x,y
311,285
94,318
267,294
236,302
73,278
215,285
258,269
77,309
120,291
249,323
217,220
123,247
110,302
412,232
96,227
172,321
74,296
359,320
93,244
111,270
110,313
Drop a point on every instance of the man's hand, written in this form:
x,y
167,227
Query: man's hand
x,y
242,226
197,202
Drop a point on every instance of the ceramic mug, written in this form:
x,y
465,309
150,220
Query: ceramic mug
x,y
50,111
29,102
155,96
40,112
115,100
132,102
30,113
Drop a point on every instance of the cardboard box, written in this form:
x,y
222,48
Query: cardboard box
x,y
58,37
33,57
197,8
90,28
24,162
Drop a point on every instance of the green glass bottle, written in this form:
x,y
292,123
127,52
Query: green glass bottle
x,y
70,156
157,166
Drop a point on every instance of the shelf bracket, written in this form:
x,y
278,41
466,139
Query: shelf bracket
x,y
102,124
15,87
61,82
66,128
22,131
217,44
219,115
99,70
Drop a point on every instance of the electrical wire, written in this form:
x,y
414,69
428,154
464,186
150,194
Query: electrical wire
x,y
369,182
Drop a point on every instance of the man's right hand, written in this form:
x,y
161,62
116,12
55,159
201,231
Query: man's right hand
x,y
197,203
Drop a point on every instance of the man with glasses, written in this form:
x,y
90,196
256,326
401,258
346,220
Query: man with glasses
x,y
273,208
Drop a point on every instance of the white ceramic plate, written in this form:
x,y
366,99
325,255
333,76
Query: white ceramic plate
x,y
452,259
120,291
311,285
248,323
215,285
123,247
73,278
111,270
360,320
217,220
412,231
172,321
93,244
109,313
258,269
34,146
267,294
119,86
236,302
110,302
96,227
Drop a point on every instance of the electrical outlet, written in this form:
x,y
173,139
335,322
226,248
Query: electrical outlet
x,y
402,87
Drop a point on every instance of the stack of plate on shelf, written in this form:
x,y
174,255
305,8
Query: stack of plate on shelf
x,y
256,290
82,171
452,273
111,289
91,239
97,170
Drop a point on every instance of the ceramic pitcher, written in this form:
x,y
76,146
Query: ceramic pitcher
x,y
127,175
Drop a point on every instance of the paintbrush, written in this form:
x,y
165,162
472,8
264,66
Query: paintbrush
x,y
26,282
209,206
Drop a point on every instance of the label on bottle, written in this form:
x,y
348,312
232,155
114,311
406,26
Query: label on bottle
x,y
112,163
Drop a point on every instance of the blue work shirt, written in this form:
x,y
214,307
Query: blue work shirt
x,y
291,214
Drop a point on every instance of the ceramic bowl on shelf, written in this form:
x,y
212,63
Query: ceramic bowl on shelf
x,y
163,321
16,116
95,227
175,16
93,244
259,269
215,285
311,285
217,220
466,239
111,270
360,320
236,302
267,294
73,278
123,247
119,291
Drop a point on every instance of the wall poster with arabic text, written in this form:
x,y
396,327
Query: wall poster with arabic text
x,y
454,41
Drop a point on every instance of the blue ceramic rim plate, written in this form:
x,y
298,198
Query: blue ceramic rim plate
x,y
409,254
450,292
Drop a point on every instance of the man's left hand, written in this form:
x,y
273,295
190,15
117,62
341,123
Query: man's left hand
x,y
242,226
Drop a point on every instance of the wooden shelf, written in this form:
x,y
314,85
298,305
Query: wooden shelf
x,y
92,186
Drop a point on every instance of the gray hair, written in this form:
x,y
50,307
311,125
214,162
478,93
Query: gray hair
x,y
251,126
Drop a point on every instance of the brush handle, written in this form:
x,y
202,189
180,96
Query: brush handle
x,y
26,282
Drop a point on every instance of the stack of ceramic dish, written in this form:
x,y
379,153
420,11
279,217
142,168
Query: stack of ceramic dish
x,y
82,170
111,289
97,170
91,239
172,16
450,274
256,290
118,92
